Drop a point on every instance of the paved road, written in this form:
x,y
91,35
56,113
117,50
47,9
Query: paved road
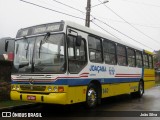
x,y
119,107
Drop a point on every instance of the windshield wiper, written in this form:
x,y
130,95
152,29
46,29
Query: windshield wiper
x,y
17,47
44,40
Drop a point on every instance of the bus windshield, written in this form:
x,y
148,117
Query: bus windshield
x,y
40,54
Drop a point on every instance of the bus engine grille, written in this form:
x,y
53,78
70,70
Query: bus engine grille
x,y
32,87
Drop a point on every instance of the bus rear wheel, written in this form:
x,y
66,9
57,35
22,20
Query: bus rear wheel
x,y
91,96
140,91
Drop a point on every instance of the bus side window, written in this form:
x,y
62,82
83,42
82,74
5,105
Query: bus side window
x,y
139,59
121,55
145,61
71,53
150,62
109,49
131,57
76,55
95,49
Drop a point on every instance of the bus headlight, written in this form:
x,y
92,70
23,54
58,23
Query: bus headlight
x,y
55,89
13,87
17,87
49,88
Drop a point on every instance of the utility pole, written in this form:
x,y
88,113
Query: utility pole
x,y
88,10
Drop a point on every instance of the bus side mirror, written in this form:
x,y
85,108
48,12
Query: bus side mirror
x,y
7,42
78,40
6,45
68,41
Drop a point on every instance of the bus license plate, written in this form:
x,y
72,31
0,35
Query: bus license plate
x,y
30,97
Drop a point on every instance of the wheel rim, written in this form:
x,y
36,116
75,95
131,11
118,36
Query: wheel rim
x,y
141,88
92,97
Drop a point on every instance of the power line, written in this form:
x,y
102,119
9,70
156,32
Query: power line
x,y
84,19
104,18
49,4
142,3
84,12
150,26
129,23
105,30
63,13
101,22
68,6
115,36
123,33
52,9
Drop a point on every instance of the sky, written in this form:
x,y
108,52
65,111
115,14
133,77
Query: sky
x,y
137,21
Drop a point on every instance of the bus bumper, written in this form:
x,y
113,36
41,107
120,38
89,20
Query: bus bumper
x,y
55,98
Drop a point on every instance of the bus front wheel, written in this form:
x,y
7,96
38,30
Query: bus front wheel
x,y
140,91
91,96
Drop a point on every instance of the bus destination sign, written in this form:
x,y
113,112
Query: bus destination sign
x,y
39,29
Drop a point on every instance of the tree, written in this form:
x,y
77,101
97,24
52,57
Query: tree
x,y
157,59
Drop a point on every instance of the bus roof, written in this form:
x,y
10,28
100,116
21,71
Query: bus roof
x,y
88,30
148,52
91,31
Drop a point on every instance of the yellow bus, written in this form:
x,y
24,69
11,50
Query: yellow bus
x,y
66,63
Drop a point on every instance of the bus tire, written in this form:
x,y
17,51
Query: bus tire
x,y
91,96
140,91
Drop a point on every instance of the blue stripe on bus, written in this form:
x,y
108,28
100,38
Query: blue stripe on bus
x,y
76,82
